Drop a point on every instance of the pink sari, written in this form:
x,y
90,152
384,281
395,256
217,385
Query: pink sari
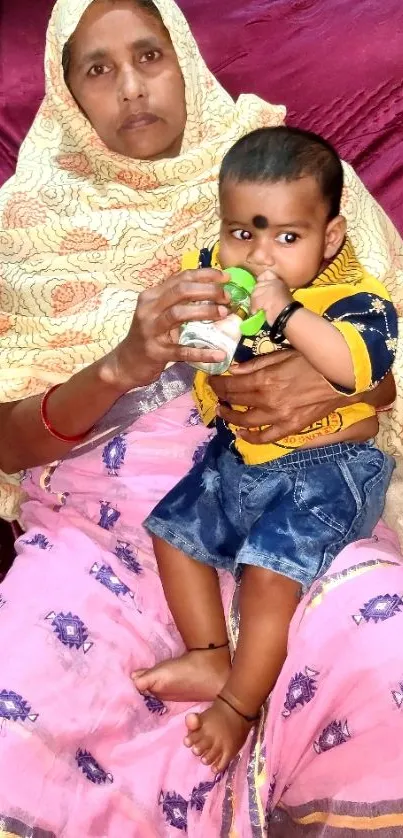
x,y
83,754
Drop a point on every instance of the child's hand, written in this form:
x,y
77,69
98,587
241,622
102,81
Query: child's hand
x,y
270,294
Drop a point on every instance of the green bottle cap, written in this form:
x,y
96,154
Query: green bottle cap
x,y
253,324
241,278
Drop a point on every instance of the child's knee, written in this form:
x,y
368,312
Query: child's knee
x,y
268,582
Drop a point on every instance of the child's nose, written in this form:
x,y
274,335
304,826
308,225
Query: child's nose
x,y
261,255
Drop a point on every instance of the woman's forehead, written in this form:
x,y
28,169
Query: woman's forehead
x,y
102,29
68,14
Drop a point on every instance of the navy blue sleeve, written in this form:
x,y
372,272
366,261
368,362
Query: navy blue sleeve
x,y
369,323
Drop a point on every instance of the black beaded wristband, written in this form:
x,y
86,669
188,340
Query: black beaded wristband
x,y
276,333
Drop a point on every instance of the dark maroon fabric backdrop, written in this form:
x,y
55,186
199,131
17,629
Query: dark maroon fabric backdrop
x,y
336,64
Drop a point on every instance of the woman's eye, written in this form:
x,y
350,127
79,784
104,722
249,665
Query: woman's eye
x,y
287,238
151,55
242,235
97,70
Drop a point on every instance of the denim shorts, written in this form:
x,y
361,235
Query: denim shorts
x,y
292,515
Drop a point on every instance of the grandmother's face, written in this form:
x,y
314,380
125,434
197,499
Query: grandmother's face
x,y
125,76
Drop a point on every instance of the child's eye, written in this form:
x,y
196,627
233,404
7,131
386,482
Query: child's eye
x,y
242,235
287,238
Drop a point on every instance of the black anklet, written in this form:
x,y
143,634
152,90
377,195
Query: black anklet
x,y
242,715
210,648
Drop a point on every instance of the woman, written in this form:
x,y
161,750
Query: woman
x,y
115,180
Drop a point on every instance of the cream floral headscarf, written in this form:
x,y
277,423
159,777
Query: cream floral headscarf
x,y
84,230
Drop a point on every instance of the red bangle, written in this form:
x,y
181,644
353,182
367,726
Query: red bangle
x,y
50,428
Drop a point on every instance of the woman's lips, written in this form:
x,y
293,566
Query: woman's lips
x,y
138,120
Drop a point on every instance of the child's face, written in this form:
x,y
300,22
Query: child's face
x,y
283,226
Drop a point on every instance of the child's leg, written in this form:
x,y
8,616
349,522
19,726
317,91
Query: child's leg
x,y
193,594
267,604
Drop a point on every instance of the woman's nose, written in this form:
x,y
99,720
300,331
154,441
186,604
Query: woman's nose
x,y
132,85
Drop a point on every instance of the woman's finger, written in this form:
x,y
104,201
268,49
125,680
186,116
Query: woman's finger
x,y
252,418
187,286
227,391
239,391
193,285
270,434
194,355
198,275
184,313
166,351
263,362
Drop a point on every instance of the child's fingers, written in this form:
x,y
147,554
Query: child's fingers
x,y
267,275
259,299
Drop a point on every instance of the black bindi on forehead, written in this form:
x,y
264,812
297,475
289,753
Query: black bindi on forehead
x,y
260,222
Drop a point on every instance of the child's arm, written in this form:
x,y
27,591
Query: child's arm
x,y
323,346
354,352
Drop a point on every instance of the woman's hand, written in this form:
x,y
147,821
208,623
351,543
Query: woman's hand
x,y
153,337
281,390
151,343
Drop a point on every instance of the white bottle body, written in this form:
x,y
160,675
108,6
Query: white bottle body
x,y
208,334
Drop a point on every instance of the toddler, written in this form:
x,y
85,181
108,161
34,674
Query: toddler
x,y
275,515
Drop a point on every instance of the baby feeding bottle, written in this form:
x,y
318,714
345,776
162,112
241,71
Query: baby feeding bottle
x,y
225,334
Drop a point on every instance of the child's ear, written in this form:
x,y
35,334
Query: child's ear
x,y
335,235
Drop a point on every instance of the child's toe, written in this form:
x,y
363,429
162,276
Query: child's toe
x,y
211,756
193,722
221,763
193,739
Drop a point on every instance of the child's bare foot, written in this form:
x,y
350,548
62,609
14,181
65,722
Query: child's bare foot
x,y
196,676
216,735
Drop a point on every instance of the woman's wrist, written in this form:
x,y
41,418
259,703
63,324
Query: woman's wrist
x,y
71,411
78,404
112,372
120,371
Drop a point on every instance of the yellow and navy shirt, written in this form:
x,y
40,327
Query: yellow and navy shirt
x,y
359,306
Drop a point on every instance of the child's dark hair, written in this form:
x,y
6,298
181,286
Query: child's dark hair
x,y
147,5
282,153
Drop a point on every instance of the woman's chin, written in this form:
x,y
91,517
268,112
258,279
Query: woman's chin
x,y
145,146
